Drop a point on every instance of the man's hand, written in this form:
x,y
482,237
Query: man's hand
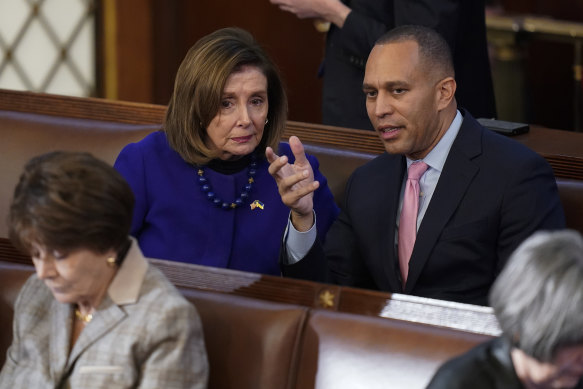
x,y
295,183
332,11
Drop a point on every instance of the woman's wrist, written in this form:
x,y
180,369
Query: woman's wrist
x,y
302,222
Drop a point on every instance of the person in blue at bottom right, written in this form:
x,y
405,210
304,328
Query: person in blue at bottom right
x,y
538,301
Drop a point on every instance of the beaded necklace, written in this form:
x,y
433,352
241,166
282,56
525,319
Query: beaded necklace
x,y
243,198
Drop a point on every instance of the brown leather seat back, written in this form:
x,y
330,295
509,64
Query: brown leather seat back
x,y
337,165
345,351
25,135
571,194
12,277
251,344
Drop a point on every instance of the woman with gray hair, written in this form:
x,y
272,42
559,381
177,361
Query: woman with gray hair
x,y
538,300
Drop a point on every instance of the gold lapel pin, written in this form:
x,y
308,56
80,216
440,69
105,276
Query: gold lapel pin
x,y
257,204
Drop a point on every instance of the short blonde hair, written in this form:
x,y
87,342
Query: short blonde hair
x,y
199,86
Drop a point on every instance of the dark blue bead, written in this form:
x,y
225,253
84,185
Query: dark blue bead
x,y
252,172
239,202
253,165
206,188
202,179
244,195
248,188
217,201
225,205
210,195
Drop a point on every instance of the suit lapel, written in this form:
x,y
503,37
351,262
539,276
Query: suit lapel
x,y
60,339
458,173
387,196
104,319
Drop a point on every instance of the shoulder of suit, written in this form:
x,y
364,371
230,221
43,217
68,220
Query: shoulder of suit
x,y
505,146
491,143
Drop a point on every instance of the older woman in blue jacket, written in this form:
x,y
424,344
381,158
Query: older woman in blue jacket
x,y
203,191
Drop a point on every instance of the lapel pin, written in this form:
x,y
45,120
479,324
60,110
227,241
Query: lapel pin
x,y
257,204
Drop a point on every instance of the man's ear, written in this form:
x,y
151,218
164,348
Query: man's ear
x,y
445,92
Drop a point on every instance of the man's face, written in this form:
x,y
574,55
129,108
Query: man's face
x,y
402,99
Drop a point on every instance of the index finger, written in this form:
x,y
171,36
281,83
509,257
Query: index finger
x,y
298,149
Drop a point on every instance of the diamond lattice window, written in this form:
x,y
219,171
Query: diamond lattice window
x,y
48,46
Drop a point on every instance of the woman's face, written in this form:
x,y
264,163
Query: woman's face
x,y
563,372
237,128
76,277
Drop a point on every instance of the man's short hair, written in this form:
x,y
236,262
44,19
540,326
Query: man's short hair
x,y
538,297
434,51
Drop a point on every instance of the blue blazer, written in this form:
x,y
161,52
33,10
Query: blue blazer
x,y
492,194
174,220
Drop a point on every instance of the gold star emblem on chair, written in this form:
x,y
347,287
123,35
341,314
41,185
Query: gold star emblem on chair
x,y
326,299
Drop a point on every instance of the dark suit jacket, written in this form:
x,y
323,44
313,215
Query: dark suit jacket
x,y
492,194
487,366
462,24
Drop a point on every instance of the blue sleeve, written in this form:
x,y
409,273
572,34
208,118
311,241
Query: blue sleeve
x,y
130,164
324,204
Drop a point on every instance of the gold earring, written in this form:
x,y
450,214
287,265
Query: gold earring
x,y
110,261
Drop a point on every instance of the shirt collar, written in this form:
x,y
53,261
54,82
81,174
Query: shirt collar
x,y
437,156
125,286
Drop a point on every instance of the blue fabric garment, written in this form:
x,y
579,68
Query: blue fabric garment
x,y
174,220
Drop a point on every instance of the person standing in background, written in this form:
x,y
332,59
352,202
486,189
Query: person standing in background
x,y
355,25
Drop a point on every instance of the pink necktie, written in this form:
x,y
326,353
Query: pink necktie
x,y
408,221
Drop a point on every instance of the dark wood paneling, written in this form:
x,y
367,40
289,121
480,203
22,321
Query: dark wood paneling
x,y
469,318
549,92
154,35
175,25
82,108
134,51
560,9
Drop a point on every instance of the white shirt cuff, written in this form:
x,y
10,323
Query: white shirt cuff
x,y
297,243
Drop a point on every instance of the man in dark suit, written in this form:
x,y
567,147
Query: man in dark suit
x,y
481,195
355,25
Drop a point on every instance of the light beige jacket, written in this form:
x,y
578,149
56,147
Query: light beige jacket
x,y
144,334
